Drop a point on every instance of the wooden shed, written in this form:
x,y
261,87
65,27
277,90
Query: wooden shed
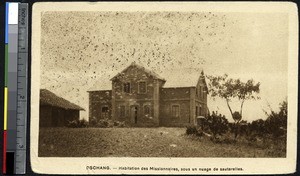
x,y
56,111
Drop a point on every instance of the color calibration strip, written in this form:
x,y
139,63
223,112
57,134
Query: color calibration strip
x,y
15,91
5,92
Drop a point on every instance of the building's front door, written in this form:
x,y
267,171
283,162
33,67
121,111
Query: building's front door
x,y
134,114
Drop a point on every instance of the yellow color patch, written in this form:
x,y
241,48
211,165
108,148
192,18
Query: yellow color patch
x,y
5,108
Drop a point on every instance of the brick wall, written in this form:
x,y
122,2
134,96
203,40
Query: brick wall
x,y
135,112
98,101
179,97
135,101
133,76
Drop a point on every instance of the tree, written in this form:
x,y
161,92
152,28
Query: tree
x,y
229,89
276,123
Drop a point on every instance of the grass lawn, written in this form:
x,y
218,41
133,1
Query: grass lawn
x,y
140,142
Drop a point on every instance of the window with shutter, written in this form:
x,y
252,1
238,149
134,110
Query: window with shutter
x,y
175,110
127,87
142,87
146,109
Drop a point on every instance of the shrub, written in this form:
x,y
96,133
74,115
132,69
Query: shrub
x,y
194,130
257,127
106,123
78,124
119,124
83,123
116,123
275,124
243,128
72,124
217,124
93,122
103,123
191,130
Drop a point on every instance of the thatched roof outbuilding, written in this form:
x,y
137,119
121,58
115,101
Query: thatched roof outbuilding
x,y
49,98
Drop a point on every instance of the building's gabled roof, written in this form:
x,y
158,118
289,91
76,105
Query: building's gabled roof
x,y
149,72
49,98
176,78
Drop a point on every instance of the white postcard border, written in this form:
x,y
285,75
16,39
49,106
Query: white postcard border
x,y
76,165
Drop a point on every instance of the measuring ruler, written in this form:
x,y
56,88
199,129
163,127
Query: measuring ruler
x,y
15,111
20,157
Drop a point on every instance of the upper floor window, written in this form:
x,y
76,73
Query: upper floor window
x,y
142,87
146,109
201,92
127,87
175,110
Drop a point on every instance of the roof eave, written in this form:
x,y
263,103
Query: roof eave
x,y
180,87
98,90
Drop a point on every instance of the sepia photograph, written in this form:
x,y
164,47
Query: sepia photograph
x,y
152,81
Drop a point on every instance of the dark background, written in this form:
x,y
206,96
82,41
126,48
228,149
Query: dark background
x,y
2,56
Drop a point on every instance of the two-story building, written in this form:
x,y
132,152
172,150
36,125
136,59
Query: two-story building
x,y
141,97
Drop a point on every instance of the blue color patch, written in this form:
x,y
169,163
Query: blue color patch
x,y
6,22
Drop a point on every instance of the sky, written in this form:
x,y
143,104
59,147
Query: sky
x,y
80,49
